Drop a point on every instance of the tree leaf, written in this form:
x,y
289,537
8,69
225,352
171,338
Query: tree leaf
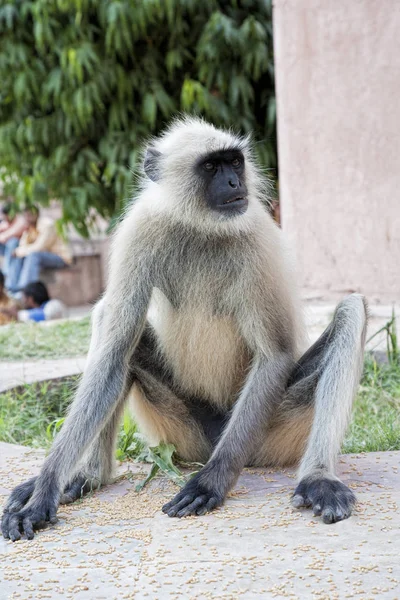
x,y
81,77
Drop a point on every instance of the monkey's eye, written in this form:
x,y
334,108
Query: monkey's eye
x,y
209,166
236,162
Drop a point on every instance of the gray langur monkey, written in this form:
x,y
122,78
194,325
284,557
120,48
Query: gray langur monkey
x,y
200,329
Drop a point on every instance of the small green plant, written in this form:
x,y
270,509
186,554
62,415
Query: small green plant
x,y
392,347
132,445
129,443
54,427
161,459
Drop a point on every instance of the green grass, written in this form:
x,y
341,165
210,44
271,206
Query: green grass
x,y
30,415
376,419
31,341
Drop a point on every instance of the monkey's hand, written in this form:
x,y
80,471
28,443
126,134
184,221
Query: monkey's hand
x,y
24,513
194,499
328,497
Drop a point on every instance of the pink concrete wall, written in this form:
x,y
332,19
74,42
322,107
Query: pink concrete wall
x,y
338,92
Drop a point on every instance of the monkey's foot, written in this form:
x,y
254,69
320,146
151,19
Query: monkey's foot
x,y
78,487
194,499
328,498
36,514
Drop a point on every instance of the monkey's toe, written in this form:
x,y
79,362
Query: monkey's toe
x,y
75,490
299,501
194,499
329,498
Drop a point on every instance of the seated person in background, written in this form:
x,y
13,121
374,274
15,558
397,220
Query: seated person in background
x,y
12,226
37,305
40,248
6,303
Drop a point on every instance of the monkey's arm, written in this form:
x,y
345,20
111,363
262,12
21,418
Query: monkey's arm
x,y
103,384
263,389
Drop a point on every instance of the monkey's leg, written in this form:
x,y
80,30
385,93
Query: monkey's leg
x,y
102,389
97,466
243,432
95,469
73,490
324,385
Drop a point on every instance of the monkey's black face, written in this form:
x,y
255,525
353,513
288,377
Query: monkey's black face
x,y
222,175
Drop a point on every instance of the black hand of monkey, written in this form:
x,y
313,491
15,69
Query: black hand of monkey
x,y
16,502
12,523
21,518
193,499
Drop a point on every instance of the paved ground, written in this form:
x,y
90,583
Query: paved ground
x,y
18,373
319,314
117,544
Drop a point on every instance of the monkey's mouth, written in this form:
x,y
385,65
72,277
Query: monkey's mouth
x,y
236,202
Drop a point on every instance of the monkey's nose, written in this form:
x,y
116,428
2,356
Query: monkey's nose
x,y
233,184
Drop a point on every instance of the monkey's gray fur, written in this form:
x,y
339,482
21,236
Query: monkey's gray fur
x,y
200,329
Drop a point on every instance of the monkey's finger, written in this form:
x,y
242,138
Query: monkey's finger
x,y
5,525
212,503
328,516
67,499
28,528
77,489
299,501
176,507
178,498
317,510
192,507
332,514
53,518
167,507
13,527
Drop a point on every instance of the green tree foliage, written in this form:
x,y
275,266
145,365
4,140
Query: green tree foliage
x,y
83,82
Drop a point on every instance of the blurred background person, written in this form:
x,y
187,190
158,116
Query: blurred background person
x,y
36,305
12,227
40,247
6,304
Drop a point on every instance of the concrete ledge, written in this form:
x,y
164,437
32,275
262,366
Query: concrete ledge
x,y
14,374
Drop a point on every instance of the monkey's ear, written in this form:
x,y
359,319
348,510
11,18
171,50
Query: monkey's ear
x,y
151,164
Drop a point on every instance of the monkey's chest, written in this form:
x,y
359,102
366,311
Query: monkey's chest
x,y
205,352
